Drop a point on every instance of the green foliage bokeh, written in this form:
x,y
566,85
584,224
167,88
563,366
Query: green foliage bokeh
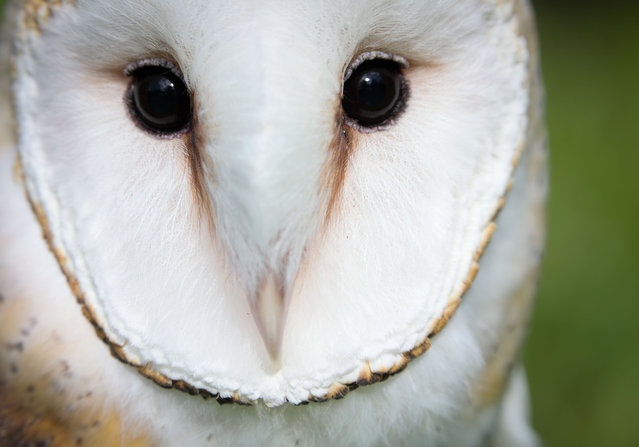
x,y
581,357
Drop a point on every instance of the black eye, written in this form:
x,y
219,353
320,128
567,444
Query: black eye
x,y
160,100
374,93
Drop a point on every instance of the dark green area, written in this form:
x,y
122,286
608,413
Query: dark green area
x,y
582,355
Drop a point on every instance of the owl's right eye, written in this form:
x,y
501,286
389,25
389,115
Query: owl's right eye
x,y
159,100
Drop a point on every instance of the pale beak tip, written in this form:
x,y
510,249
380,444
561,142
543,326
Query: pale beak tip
x,y
268,309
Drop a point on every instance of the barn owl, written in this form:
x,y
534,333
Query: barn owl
x,y
274,205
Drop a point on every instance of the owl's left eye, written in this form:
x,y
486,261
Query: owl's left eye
x,y
375,91
159,100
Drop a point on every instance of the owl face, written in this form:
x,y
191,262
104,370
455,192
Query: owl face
x,y
273,200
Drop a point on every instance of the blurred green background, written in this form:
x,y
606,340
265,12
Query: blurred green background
x,y
581,355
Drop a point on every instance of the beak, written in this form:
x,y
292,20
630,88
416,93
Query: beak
x,y
270,150
268,307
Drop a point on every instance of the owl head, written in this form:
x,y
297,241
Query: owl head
x,y
274,201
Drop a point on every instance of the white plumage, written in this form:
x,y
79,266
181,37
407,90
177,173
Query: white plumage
x,y
276,249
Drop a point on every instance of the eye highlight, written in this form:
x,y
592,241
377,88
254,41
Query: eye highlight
x,y
375,91
158,99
